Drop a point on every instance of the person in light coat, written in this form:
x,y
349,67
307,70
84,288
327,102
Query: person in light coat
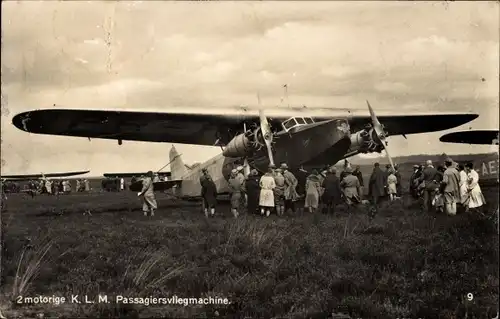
x,y
147,195
475,196
464,187
122,184
291,182
266,198
451,191
351,186
313,191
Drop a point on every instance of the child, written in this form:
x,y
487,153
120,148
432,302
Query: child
x,y
392,180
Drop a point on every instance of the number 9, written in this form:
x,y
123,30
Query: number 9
x,y
470,296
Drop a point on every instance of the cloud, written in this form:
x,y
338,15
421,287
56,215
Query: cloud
x,y
403,57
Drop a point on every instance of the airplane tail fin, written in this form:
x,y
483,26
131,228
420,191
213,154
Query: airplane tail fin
x,y
177,168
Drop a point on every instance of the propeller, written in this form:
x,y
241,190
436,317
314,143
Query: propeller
x,y
379,131
267,134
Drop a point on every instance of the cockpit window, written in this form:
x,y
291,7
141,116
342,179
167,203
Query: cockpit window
x,y
308,120
300,120
288,124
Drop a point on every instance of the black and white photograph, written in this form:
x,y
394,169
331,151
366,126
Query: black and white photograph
x,y
250,159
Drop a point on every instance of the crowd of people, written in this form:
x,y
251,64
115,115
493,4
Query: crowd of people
x,y
278,190
449,188
442,189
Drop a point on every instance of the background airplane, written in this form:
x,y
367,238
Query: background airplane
x,y
486,165
485,137
10,182
314,141
24,177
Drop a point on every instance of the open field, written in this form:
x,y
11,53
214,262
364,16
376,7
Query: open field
x,y
400,264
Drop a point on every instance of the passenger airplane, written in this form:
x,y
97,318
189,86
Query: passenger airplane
x,y
322,138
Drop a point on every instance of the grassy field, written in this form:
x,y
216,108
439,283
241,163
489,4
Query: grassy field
x,y
400,264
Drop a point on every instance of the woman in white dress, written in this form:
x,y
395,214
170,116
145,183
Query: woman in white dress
x,y
463,184
267,185
475,196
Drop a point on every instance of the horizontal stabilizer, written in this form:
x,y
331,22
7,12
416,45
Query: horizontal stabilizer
x,y
158,186
111,175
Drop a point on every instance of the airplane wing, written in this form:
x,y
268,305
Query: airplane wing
x,y
203,129
35,176
486,137
168,174
158,186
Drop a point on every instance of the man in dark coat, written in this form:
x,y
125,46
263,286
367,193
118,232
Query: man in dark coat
x,y
209,194
376,187
332,191
399,188
252,189
430,176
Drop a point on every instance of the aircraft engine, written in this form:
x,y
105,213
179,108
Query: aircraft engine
x,y
244,144
239,146
365,141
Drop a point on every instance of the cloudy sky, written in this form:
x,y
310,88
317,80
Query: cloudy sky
x,y
403,57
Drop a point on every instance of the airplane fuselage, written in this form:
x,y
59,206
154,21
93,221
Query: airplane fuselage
x,y
324,144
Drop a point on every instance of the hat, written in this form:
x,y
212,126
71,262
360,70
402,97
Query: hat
x,y
284,166
388,165
428,162
348,170
204,170
272,166
279,170
254,172
239,168
416,166
234,170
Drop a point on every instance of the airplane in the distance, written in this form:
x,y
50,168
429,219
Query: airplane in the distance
x,y
9,181
24,177
482,137
301,137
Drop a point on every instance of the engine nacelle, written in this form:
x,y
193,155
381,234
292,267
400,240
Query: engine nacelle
x,y
239,146
365,141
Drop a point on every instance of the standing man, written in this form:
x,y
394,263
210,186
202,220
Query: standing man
x,y
122,184
451,178
399,188
429,177
147,195
332,190
357,173
290,188
204,175
376,188
279,192
235,186
240,176
209,194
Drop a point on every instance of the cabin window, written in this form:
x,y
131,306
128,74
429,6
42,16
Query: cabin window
x,y
300,120
288,124
309,120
